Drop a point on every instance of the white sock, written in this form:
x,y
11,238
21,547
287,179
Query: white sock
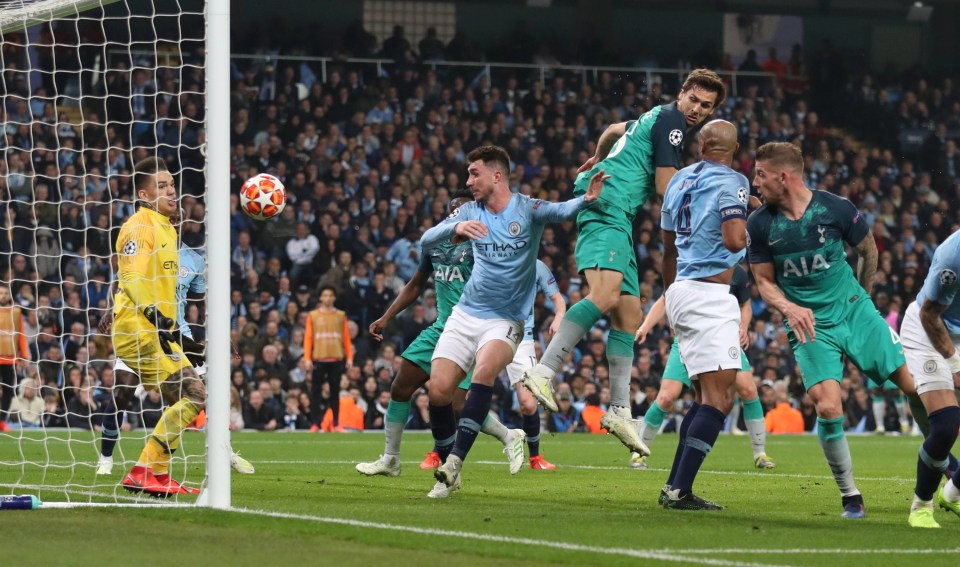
x,y
758,436
951,492
735,415
918,504
879,412
393,434
492,427
649,433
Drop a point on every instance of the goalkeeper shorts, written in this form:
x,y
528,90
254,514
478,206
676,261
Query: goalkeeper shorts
x,y
140,351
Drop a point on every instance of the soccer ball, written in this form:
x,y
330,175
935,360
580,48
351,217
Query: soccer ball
x,y
263,197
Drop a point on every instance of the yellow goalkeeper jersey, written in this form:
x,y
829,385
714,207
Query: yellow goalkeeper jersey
x,y
148,266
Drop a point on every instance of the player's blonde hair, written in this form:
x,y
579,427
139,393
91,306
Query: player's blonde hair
x,y
708,81
782,155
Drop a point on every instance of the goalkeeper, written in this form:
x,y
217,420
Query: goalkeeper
x,y
190,278
144,336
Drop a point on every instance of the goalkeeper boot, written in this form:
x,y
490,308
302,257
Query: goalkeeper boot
x,y
105,466
431,461
922,518
240,464
619,422
513,448
541,464
541,386
638,461
137,479
946,504
164,486
853,508
386,465
4,428
764,462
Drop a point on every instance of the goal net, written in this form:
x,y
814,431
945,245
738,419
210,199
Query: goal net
x,y
89,88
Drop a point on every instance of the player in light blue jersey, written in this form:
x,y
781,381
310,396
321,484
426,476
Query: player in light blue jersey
x,y
704,232
191,278
930,335
487,324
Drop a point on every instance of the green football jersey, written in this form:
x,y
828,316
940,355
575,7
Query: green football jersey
x,y
808,254
451,266
653,140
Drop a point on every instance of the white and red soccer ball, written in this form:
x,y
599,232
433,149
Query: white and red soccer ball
x,y
263,197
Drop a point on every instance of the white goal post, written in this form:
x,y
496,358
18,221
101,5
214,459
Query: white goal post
x,y
89,87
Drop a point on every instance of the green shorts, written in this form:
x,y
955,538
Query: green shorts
x,y
864,337
675,370
420,351
606,242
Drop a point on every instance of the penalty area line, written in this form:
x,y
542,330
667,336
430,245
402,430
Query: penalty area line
x,y
566,546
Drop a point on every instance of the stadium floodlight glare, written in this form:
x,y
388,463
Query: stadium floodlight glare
x,y
919,12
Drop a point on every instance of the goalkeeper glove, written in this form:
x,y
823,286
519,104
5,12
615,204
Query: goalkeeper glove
x,y
191,348
159,320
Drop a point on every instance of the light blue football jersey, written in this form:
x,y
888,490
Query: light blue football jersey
x,y
699,199
504,272
548,285
192,277
941,284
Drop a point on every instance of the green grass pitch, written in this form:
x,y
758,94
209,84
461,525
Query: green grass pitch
x,y
306,503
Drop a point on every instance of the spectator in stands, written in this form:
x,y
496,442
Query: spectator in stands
x,y
783,418
259,415
26,410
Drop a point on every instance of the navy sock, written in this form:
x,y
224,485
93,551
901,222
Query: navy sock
x,y
474,411
684,427
443,425
110,431
701,437
531,426
933,459
953,466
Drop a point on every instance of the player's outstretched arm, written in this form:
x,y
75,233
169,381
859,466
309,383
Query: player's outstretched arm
x,y
932,321
867,262
657,311
546,212
609,137
801,319
408,295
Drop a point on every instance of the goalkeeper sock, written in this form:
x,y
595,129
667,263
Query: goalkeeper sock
x,y
932,461
835,449
167,434
531,426
493,427
579,319
443,425
753,420
474,411
397,415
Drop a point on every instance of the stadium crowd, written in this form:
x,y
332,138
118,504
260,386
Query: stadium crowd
x,y
369,162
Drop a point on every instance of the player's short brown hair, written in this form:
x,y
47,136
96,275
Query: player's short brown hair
x,y
144,170
489,154
708,81
781,154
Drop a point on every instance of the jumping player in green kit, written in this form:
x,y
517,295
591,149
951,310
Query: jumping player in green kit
x,y
798,258
640,156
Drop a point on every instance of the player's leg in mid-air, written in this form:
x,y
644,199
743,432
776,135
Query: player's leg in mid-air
x,y
525,359
605,255
753,415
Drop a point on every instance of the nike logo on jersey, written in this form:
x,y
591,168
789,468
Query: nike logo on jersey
x,y
772,242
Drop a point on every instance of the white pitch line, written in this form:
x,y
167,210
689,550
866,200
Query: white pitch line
x,y
798,551
612,468
566,546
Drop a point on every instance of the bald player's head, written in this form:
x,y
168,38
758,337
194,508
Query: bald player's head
x,y
718,141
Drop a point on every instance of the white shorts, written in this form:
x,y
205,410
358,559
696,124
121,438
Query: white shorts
x,y
706,319
463,335
930,370
523,360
